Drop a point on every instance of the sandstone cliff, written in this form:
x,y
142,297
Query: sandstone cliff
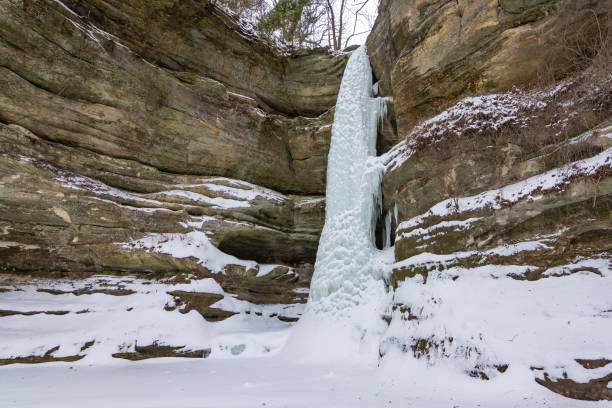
x,y
115,117
500,166
124,121
428,54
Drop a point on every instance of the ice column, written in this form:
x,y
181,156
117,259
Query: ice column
x,y
346,272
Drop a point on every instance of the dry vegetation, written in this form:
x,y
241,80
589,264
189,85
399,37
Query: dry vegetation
x,y
572,94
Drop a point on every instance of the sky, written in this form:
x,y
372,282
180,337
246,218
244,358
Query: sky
x,y
364,23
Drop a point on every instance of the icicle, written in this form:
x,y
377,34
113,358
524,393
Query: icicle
x,y
387,230
395,214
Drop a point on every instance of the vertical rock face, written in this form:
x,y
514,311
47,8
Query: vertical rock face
x,y
120,119
499,183
197,37
428,54
75,81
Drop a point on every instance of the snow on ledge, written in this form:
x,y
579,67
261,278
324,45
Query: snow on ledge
x,y
484,113
238,189
525,189
242,192
505,250
192,244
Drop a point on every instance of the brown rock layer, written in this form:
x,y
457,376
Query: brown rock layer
x,y
119,121
428,54
69,81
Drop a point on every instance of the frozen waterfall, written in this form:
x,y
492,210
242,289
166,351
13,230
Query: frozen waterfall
x,y
347,276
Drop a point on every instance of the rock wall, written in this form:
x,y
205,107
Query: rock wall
x,y
499,180
69,81
428,54
197,37
122,121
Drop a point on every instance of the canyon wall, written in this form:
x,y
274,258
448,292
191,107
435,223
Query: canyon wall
x,y
127,120
499,176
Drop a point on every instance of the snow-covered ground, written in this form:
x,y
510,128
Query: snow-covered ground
x,y
259,361
255,361
267,382
118,313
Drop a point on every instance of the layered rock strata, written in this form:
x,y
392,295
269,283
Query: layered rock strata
x,y
428,54
120,120
161,140
499,197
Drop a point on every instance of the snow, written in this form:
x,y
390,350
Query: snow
x,y
312,201
89,30
240,96
458,318
215,202
454,224
197,222
500,320
599,263
472,114
490,113
9,244
478,316
249,367
192,244
478,113
129,207
238,189
117,323
396,156
265,269
577,373
525,189
76,182
507,250
268,382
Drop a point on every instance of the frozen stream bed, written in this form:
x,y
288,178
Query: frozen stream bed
x,y
263,382
280,365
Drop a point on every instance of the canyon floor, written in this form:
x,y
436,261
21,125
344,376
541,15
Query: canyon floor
x,y
262,382
253,359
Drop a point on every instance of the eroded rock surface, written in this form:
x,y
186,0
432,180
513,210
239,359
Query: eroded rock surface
x,y
59,220
119,121
166,144
428,53
68,80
